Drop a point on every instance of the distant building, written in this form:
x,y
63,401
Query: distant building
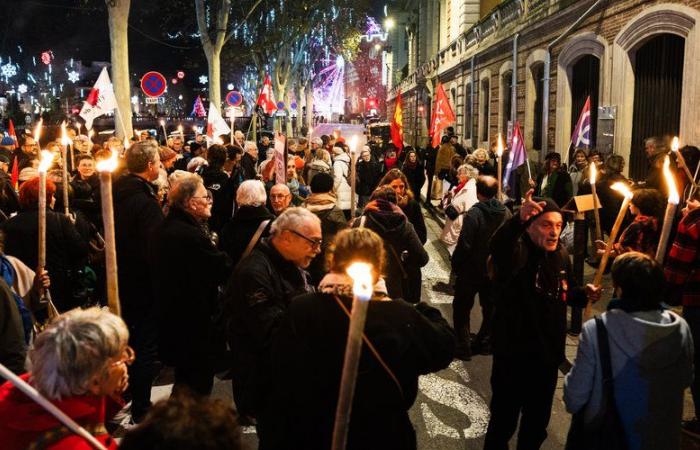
x,y
367,76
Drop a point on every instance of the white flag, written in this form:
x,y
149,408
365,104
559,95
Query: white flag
x,y
100,100
216,125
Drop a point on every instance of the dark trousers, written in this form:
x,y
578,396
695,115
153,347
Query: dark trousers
x,y
196,380
691,314
464,302
522,388
143,338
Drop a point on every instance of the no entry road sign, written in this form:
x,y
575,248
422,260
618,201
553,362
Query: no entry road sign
x,y
153,84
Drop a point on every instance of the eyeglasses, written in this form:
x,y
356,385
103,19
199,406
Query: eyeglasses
x,y
315,243
209,197
127,358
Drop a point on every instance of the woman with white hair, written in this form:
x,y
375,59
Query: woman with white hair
x,y
79,362
252,219
341,177
188,303
458,201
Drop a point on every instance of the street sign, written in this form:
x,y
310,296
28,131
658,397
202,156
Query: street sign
x,y
151,100
234,98
280,105
153,84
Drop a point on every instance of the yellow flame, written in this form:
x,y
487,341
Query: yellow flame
x,y
91,133
622,188
499,147
37,130
673,197
162,123
64,135
311,131
675,144
126,143
594,173
108,165
46,160
361,274
353,144
79,125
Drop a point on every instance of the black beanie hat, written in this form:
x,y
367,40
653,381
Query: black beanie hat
x,y
321,183
550,206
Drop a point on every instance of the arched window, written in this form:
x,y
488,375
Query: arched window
x,y
485,107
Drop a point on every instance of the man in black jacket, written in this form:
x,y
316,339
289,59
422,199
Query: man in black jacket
x,y
220,185
535,284
249,160
136,214
469,266
257,296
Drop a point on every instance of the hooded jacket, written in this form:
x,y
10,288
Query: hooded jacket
x,y
369,173
472,250
314,167
403,247
341,175
332,221
651,355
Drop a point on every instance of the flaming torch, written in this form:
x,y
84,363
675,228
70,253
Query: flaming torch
x,y
675,145
361,274
44,164
37,131
64,161
105,168
353,169
673,199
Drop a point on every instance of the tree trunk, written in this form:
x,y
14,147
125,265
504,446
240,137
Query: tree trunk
x,y
309,90
119,47
297,98
214,63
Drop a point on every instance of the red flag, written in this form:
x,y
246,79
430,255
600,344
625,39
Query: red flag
x,y
267,98
397,125
443,115
11,132
15,174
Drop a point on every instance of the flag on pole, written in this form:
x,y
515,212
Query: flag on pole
x,y
267,98
443,115
100,100
581,137
198,109
216,125
397,125
11,132
517,156
14,177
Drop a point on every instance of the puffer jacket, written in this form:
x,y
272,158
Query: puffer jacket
x,y
341,175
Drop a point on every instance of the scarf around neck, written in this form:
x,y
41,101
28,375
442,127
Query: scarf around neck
x,y
340,284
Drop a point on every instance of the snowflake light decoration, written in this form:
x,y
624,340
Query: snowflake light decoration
x,y
22,88
203,79
8,70
73,76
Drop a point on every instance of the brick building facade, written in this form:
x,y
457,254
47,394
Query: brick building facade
x,y
639,61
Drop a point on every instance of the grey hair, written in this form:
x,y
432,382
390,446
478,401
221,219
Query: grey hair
x,y
293,219
184,190
75,348
250,144
251,193
470,171
140,154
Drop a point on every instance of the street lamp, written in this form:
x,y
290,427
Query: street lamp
x,y
389,23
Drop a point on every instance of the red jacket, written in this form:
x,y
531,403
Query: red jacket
x,y
24,422
682,266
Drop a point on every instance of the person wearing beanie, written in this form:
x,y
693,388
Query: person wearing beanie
x,y
322,202
7,145
534,284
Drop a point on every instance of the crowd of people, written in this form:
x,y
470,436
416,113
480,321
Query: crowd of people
x,y
226,270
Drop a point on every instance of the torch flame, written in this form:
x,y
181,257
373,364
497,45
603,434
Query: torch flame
x,y
594,173
37,130
675,144
108,165
353,144
499,147
673,197
361,274
162,122
64,135
46,160
622,188
126,144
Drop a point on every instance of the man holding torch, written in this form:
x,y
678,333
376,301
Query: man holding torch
x,y
535,285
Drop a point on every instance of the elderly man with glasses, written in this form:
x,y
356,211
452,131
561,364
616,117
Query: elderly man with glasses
x,y
258,294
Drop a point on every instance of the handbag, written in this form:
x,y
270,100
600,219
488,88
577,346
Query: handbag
x,y
605,431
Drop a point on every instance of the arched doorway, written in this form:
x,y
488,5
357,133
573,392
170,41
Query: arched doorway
x,y
585,82
538,105
658,74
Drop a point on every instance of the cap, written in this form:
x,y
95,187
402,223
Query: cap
x,y
317,141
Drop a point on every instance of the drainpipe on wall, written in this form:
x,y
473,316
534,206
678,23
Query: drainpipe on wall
x,y
547,71
514,88
471,99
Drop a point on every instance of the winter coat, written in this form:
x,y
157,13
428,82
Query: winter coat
x,y
66,250
186,302
651,355
314,167
415,174
577,176
403,247
238,232
136,214
341,175
308,350
558,187
472,249
13,347
414,214
369,173
533,290
223,190
86,198
443,160
462,201
256,299
332,221
248,166
23,422
9,202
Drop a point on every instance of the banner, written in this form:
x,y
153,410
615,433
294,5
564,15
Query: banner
x,y
443,116
280,159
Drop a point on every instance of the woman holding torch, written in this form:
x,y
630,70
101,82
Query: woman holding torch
x,y
401,342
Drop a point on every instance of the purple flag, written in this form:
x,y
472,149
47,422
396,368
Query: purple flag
x,y
517,156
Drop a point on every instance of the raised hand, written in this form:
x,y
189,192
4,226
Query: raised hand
x,y
530,208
